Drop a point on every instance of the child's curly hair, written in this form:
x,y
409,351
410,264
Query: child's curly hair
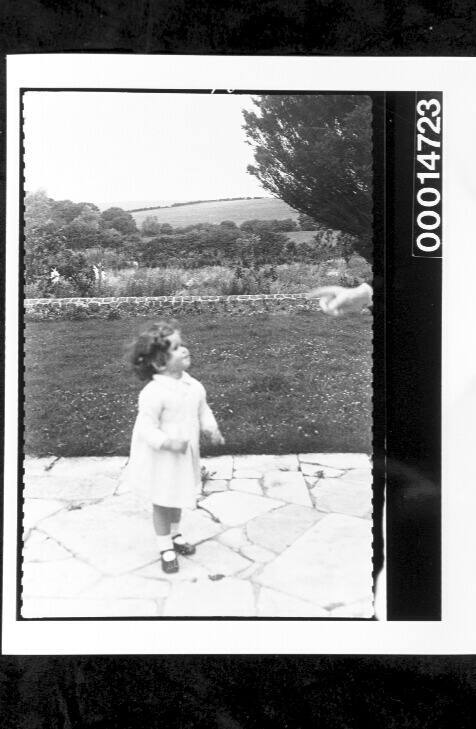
x,y
151,348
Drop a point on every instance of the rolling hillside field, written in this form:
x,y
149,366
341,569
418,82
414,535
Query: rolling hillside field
x,y
215,212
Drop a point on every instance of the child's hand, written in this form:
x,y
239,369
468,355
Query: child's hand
x,y
216,437
176,445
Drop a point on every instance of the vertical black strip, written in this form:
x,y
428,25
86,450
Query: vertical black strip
x,y
21,366
378,378
413,387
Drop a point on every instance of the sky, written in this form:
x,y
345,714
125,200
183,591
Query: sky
x,y
114,147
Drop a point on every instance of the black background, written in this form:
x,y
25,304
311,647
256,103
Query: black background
x,y
319,27
263,691
412,303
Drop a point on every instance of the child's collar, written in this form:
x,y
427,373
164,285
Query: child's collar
x,y
185,378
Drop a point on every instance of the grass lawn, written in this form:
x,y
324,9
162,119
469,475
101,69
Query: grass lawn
x,y
278,383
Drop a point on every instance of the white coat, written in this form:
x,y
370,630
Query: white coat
x,y
169,408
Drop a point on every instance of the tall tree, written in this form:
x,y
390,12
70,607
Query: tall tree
x,y
315,153
38,209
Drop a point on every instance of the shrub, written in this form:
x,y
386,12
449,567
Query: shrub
x,y
79,312
250,281
34,290
167,281
154,283
208,281
150,226
295,278
359,268
349,279
110,259
65,289
118,219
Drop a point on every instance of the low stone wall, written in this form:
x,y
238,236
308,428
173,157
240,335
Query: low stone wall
x,y
119,307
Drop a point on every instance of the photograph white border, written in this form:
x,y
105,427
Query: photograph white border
x,y
456,632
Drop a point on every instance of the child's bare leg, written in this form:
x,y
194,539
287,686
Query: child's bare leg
x,y
180,543
176,515
162,518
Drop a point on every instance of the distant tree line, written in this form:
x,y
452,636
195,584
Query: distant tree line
x,y
253,243
192,202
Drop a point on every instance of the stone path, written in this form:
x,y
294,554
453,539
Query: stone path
x,y
277,536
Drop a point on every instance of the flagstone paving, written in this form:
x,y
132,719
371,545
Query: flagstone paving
x,y
277,536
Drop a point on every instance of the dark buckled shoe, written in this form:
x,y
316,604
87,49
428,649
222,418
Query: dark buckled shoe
x,y
169,566
185,549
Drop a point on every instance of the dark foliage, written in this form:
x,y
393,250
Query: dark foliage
x,y
264,226
209,245
57,235
315,153
307,223
119,220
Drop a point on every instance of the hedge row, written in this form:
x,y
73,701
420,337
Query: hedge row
x,y
117,308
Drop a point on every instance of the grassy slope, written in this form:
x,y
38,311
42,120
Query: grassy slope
x,y
278,383
216,212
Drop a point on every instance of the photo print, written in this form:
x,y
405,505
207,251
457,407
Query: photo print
x,y
203,224
213,290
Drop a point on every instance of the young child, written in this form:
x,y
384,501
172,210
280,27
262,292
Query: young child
x,y
164,464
